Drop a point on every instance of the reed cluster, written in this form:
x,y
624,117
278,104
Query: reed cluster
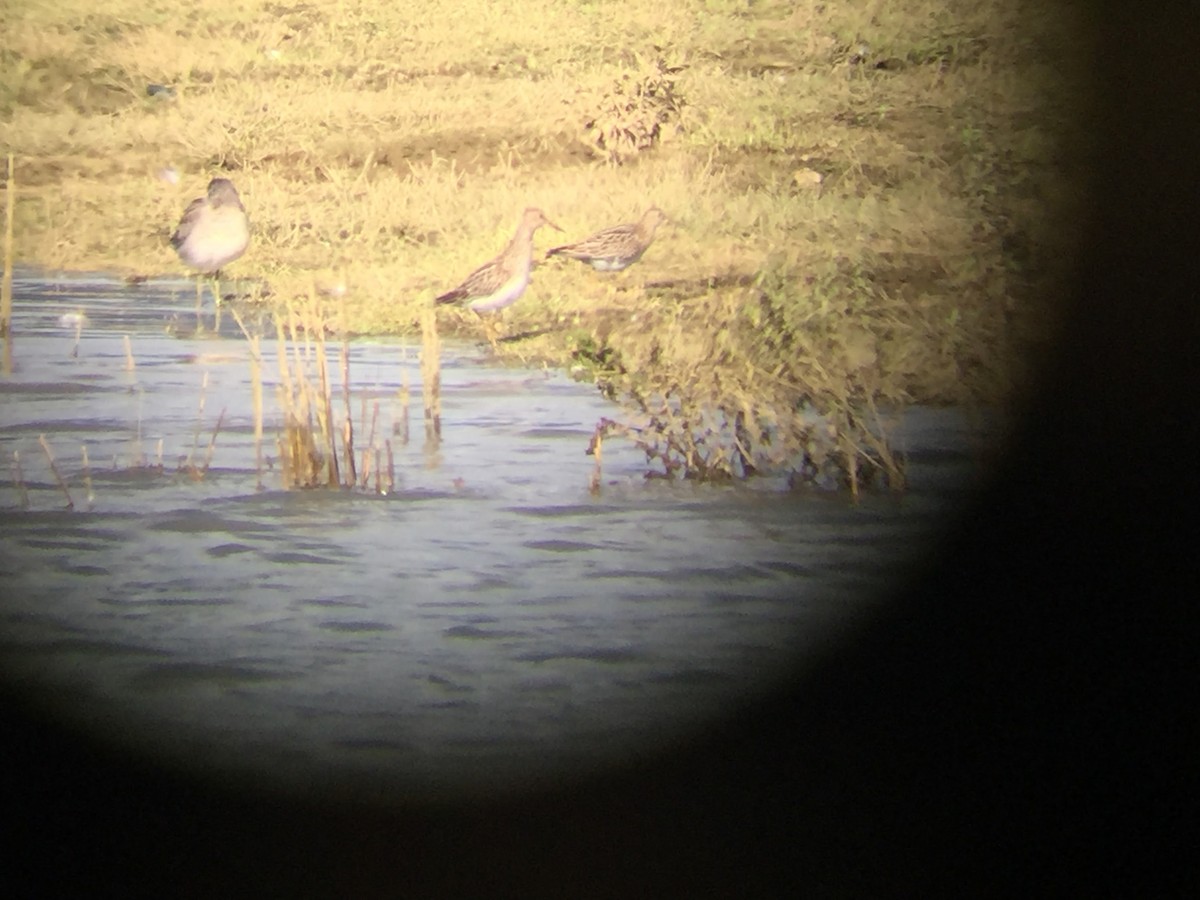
x,y
317,433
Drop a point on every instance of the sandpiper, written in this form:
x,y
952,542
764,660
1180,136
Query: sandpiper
x,y
500,282
213,232
616,248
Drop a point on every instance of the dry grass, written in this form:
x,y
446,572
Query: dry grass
x,y
890,187
307,441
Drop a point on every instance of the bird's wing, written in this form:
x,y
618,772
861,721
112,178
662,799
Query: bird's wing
x,y
599,244
188,221
483,281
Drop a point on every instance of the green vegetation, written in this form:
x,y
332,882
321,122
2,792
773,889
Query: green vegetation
x,y
871,201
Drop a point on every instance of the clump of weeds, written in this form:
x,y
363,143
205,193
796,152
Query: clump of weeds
x,y
633,113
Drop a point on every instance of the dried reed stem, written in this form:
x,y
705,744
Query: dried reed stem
x,y
287,469
325,410
362,415
136,456
54,468
850,454
285,375
256,393
391,467
256,396
892,464
212,441
743,443
371,444
348,427
597,450
296,439
289,446
19,479
199,421
365,467
129,361
78,335
87,477
431,387
405,394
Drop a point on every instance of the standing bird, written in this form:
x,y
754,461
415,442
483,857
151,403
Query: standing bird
x,y
499,283
616,248
213,232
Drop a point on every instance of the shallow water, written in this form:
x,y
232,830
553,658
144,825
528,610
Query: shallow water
x,y
487,624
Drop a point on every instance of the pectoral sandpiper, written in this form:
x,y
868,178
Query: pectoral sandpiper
x,y
213,232
616,248
500,282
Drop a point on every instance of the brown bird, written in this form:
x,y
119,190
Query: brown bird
x,y
500,282
616,248
214,230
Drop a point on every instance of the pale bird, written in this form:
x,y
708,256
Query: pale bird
x,y
616,248
499,283
214,230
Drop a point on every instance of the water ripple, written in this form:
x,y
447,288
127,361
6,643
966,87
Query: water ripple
x,y
490,618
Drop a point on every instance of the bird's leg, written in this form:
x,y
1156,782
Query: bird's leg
x,y
216,288
614,287
214,285
489,330
199,298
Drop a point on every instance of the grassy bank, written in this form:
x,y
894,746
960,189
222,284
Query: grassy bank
x,y
870,201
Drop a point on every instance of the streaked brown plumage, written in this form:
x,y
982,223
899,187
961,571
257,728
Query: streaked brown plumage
x,y
616,248
503,280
